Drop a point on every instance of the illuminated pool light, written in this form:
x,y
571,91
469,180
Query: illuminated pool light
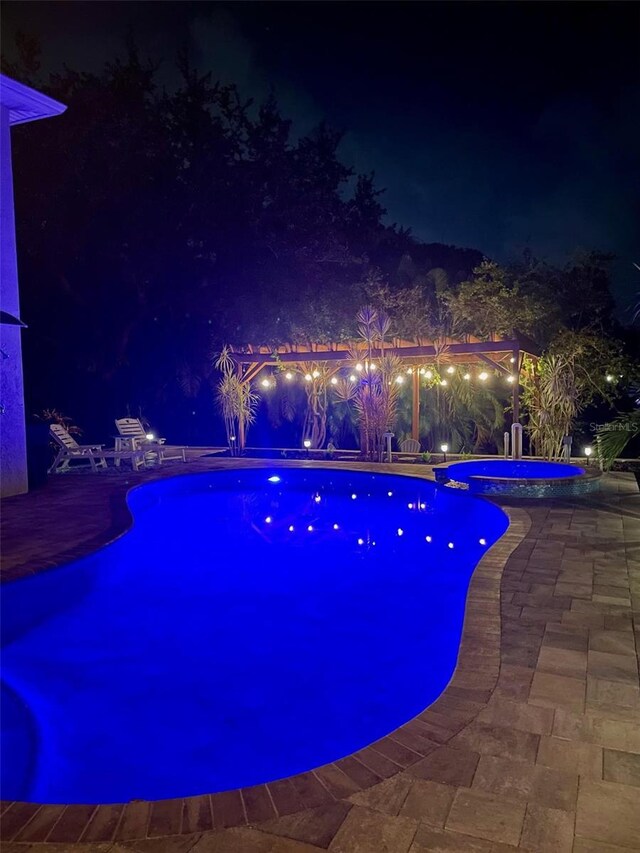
x,y
428,538
274,479
353,496
310,528
336,527
449,544
400,531
482,541
268,520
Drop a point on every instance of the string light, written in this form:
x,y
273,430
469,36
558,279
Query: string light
x,y
288,376
359,367
400,380
334,381
443,382
428,374
352,378
315,374
467,376
511,378
483,376
265,383
451,369
308,377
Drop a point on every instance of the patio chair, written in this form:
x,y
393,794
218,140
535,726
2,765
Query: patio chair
x,y
93,455
410,445
135,437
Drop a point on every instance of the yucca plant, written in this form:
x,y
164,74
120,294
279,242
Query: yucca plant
x,y
236,401
374,394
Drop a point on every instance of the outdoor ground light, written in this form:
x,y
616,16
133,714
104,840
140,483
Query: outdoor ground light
x,y
444,448
150,436
587,452
307,443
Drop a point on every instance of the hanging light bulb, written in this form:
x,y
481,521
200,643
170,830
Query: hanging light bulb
x,y
443,382
451,369
288,376
467,376
315,374
483,376
428,374
353,378
334,380
265,383
308,377
511,378
359,367
400,380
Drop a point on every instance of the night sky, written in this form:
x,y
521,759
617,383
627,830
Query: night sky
x,y
496,126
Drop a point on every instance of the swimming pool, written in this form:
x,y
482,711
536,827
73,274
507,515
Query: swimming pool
x,y
252,624
527,478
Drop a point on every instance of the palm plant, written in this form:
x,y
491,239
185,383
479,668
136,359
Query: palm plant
x,y
237,402
317,377
613,438
552,398
374,396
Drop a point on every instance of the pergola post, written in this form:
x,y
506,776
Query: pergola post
x,y
516,387
415,407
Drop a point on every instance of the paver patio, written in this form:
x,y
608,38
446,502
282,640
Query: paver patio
x,y
534,745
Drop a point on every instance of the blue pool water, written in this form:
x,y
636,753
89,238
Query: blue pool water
x,y
524,469
251,625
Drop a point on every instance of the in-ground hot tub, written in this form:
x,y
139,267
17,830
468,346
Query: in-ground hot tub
x,y
525,478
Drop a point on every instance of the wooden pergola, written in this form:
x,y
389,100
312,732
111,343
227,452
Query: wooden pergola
x,y
505,356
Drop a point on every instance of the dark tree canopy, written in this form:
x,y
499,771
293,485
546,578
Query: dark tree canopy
x,y
154,226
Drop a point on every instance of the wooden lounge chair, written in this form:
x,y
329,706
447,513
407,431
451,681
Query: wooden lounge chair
x,y
410,445
135,437
93,455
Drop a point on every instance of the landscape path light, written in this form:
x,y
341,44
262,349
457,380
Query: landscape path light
x,y
444,448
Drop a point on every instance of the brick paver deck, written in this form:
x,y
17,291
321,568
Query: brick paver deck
x,y
534,745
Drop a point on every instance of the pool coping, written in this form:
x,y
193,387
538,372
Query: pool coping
x,y
466,695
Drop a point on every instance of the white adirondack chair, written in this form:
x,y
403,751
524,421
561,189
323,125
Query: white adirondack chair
x,y
135,436
410,445
94,455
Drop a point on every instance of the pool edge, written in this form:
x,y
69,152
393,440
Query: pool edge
x,y
471,686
